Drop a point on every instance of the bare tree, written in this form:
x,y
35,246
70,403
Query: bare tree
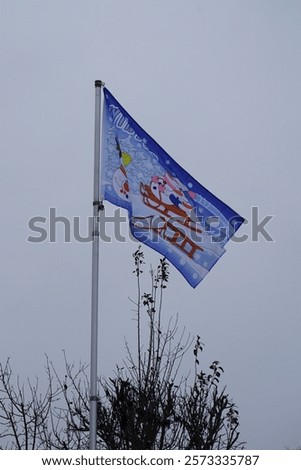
x,y
147,404
25,414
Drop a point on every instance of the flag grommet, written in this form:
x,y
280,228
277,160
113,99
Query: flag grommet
x,y
99,204
99,83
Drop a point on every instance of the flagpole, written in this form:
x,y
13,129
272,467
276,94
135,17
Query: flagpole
x,y
97,205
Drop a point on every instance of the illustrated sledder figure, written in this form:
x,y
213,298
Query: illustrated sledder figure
x,y
167,195
170,190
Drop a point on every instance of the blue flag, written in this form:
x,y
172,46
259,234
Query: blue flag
x,y
168,209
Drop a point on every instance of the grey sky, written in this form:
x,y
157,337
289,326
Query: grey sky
x,y
217,84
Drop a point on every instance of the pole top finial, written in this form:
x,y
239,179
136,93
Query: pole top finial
x,y
99,83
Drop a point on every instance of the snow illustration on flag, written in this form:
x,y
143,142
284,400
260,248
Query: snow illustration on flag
x,y
168,209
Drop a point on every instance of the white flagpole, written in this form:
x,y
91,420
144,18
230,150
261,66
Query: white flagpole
x,y
97,205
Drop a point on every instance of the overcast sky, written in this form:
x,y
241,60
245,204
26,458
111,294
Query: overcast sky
x,y
217,84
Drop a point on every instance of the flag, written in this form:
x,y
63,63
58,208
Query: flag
x,y
168,209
